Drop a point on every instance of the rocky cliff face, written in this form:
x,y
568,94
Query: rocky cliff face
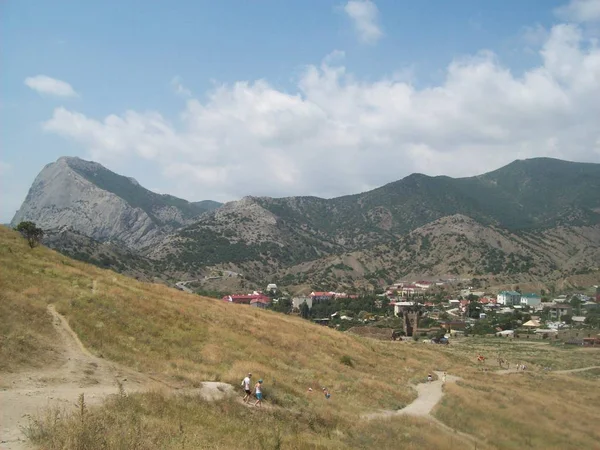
x,y
100,204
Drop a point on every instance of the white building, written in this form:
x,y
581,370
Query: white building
x,y
530,299
297,301
271,287
399,306
508,298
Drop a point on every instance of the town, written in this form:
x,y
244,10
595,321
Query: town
x,y
434,310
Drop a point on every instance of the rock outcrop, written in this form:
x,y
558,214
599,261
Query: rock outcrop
x,y
92,200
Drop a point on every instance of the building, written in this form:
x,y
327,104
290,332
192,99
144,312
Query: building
x,y
260,302
423,285
245,299
399,307
408,290
297,301
530,299
271,287
321,296
508,298
558,310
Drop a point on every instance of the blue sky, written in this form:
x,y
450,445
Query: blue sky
x,y
205,99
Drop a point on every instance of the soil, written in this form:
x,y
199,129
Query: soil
x,y
24,395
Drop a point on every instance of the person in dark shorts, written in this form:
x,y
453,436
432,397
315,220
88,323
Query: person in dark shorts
x,y
246,386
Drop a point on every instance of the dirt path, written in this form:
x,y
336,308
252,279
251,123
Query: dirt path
x,y
428,396
583,369
26,394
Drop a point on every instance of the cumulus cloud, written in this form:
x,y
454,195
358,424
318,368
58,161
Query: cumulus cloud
x,y
335,134
365,16
51,86
580,11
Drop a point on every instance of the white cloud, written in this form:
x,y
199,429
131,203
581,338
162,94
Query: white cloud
x,y
179,88
46,85
580,11
336,135
365,15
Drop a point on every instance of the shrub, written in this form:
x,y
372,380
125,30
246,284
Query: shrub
x,y
346,360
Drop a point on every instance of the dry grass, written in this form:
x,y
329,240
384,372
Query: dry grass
x,y
186,339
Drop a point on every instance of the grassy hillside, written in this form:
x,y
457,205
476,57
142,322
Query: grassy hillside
x,y
185,339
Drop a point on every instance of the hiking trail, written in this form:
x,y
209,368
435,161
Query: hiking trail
x,y
429,394
26,394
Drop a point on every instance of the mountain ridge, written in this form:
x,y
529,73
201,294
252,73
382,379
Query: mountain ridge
x,y
264,237
103,205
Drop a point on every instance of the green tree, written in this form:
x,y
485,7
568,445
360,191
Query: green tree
x,y
31,232
304,310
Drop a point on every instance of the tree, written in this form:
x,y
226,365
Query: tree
x,y
31,232
304,310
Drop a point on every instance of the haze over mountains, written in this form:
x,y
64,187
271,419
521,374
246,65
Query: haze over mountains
x,y
538,217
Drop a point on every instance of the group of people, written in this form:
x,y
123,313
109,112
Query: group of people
x,y
430,378
246,384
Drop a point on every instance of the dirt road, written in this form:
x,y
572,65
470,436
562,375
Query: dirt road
x,y
25,394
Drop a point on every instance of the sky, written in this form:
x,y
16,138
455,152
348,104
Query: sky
x,y
219,100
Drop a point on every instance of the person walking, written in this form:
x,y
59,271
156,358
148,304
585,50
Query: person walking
x,y
444,378
326,392
246,386
258,392
429,378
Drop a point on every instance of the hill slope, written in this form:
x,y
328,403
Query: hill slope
x,y
181,340
458,246
100,204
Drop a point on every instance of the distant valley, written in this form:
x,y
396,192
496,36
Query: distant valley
x,y
532,220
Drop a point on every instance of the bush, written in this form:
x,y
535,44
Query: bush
x,y
346,360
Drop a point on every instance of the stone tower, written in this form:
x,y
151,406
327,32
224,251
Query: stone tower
x,y
410,322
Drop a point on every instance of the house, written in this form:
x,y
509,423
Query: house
x,y
509,298
453,325
297,301
321,296
578,319
408,290
487,301
423,285
558,310
324,321
245,299
260,302
401,306
530,299
271,287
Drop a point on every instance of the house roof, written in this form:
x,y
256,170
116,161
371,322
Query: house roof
x,y
263,300
508,293
322,294
530,295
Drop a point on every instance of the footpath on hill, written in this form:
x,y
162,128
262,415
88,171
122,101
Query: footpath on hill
x,y
429,394
26,394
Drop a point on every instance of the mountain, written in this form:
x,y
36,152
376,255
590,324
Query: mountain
x,y
262,234
100,204
458,247
522,218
